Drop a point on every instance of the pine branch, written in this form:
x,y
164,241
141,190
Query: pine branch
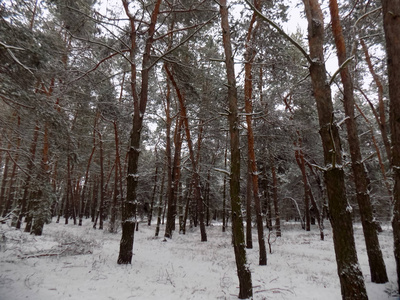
x,y
281,31
182,42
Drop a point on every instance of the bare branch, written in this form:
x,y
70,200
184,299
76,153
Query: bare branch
x,y
344,64
8,48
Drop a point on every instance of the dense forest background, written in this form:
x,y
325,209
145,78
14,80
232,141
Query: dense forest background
x,y
121,111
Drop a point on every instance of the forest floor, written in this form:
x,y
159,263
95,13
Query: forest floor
x,y
72,262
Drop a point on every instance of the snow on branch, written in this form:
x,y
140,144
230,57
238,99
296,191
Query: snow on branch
x,y
8,48
222,171
343,65
280,30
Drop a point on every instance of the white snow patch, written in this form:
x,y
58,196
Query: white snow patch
x,y
301,266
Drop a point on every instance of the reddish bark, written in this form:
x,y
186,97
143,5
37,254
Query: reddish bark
x,y
139,106
381,117
361,179
196,176
350,275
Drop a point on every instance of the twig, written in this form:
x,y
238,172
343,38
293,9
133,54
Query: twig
x,y
42,254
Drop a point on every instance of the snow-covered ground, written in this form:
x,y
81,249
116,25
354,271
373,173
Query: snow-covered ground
x,y
71,262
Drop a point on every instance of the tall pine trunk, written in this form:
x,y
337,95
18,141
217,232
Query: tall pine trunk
x,y
139,106
391,24
244,274
361,179
350,275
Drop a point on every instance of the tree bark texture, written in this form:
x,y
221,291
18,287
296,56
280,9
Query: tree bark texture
x,y
361,179
139,106
248,95
244,274
350,275
391,24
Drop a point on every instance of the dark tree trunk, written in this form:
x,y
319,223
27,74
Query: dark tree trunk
x,y
249,238
350,275
244,274
275,198
4,181
139,103
153,195
160,203
30,166
301,163
187,207
82,200
361,179
391,24
224,190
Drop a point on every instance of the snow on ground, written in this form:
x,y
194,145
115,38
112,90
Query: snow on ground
x,y
72,262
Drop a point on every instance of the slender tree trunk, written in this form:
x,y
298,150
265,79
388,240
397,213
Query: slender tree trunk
x,y
82,201
4,180
207,195
187,207
350,275
249,185
244,274
196,176
102,188
169,226
153,195
224,189
391,24
361,179
248,95
160,203
318,213
381,116
30,166
11,189
68,197
301,163
275,198
140,103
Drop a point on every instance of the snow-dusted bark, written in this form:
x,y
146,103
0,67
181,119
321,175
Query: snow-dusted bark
x,y
350,275
361,179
